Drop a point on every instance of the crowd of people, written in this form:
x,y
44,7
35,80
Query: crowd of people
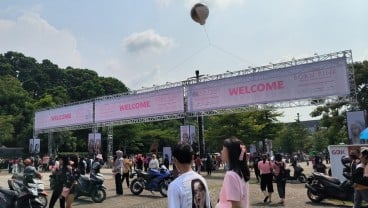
x,y
190,188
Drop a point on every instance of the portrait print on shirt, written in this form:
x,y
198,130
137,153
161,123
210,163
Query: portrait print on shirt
x,y
198,194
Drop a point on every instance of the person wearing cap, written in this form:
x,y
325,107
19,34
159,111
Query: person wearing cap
x,y
96,165
118,162
154,164
30,171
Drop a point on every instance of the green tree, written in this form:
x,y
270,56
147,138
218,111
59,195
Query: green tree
x,y
291,138
15,110
250,127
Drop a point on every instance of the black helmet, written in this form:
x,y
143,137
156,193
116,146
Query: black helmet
x,y
346,160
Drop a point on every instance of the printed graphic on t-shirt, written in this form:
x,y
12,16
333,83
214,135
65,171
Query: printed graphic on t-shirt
x,y
198,194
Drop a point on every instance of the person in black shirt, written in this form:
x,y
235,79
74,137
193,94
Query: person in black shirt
x,y
360,180
60,179
319,166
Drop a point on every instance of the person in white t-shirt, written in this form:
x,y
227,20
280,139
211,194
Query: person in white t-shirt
x,y
154,164
235,188
190,189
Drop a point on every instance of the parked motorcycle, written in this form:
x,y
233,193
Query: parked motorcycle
x,y
21,197
92,187
154,180
16,184
321,186
298,174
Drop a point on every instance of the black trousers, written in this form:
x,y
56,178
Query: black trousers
x,y
55,196
257,173
118,186
125,175
266,181
281,184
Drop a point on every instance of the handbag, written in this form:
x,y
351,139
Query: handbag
x,y
65,192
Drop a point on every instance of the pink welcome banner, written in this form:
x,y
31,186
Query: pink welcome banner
x,y
161,102
65,116
314,80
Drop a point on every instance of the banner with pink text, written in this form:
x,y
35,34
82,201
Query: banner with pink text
x,y
314,80
65,116
161,102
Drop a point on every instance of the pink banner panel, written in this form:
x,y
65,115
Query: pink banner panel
x,y
161,102
314,80
65,116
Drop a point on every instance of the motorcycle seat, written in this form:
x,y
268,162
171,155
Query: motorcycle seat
x,y
146,175
8,192
329,178
333,180
84,178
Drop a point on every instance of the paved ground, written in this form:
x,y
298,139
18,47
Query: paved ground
x,y
295,196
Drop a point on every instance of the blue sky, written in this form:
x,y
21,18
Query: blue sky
x,y
146,42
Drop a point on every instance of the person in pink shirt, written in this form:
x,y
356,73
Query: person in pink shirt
x,y
235,188
265,167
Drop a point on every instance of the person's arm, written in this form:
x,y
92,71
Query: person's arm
x,y
38,175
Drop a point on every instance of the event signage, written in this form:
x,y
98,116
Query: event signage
x,y
66,116
356,123
313,80
188,134
336,153
161,102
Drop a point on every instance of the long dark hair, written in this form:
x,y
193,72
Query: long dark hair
x,y
239,166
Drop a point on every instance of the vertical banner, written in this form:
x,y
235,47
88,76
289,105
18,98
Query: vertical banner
x,y
252,148
97,143
192,134
34,146
31,146
166,152
94,143
37,146
91,143
356,124
187,134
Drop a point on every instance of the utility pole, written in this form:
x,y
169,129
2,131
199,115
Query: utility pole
x,y
200,127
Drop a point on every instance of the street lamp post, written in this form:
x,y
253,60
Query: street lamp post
x,y
200,127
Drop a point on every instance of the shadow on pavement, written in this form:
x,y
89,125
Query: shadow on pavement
x,y
326,204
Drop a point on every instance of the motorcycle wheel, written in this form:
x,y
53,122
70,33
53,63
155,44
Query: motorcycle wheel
x,y
163,187
136,187
302,178
99,195
314,198
43,199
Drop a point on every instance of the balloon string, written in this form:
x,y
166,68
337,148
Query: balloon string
x,y
223,50
231,54
208,37
188,58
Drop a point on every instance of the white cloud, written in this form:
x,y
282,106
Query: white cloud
x,y
147,41
222,4
163,3
32,35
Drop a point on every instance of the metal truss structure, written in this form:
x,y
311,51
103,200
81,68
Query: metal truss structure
x,y
350,99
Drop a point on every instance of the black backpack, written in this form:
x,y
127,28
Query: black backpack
x,y
282,174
